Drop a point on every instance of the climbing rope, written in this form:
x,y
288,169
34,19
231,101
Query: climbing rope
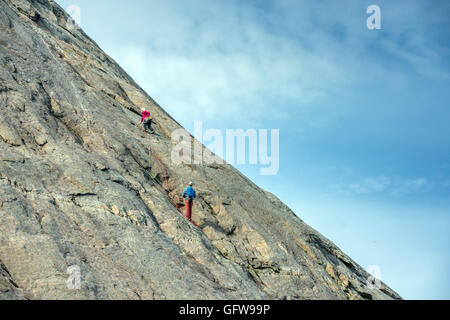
x,y
163,169
165,175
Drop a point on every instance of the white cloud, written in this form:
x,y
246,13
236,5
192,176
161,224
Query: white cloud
x,y
411,186
394,186
218,84
370,185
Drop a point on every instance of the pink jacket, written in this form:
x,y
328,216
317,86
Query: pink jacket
x,y
145,114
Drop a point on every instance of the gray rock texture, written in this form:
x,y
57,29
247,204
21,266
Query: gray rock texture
x,y
80,187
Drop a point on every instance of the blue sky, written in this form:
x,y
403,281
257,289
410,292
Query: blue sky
x,y
363,114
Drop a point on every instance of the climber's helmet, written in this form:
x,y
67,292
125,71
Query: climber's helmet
x,y
191,183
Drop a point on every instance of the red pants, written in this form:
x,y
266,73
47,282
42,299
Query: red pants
x,y
189,204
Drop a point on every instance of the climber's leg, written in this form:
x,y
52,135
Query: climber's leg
x,y
191,203
148,125
188,209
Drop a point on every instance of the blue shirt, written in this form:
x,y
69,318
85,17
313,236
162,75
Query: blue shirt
x,y
189,192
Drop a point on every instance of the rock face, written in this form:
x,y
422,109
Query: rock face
x,y
80,187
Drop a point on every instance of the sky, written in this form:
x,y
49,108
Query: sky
x,y
363,114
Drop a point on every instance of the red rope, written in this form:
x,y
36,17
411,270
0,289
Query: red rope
x,y
165,175
163,169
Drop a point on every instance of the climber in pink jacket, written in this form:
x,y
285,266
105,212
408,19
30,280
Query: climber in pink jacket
x,y
147,119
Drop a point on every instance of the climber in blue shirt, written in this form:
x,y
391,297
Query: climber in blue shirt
x,y
189,196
